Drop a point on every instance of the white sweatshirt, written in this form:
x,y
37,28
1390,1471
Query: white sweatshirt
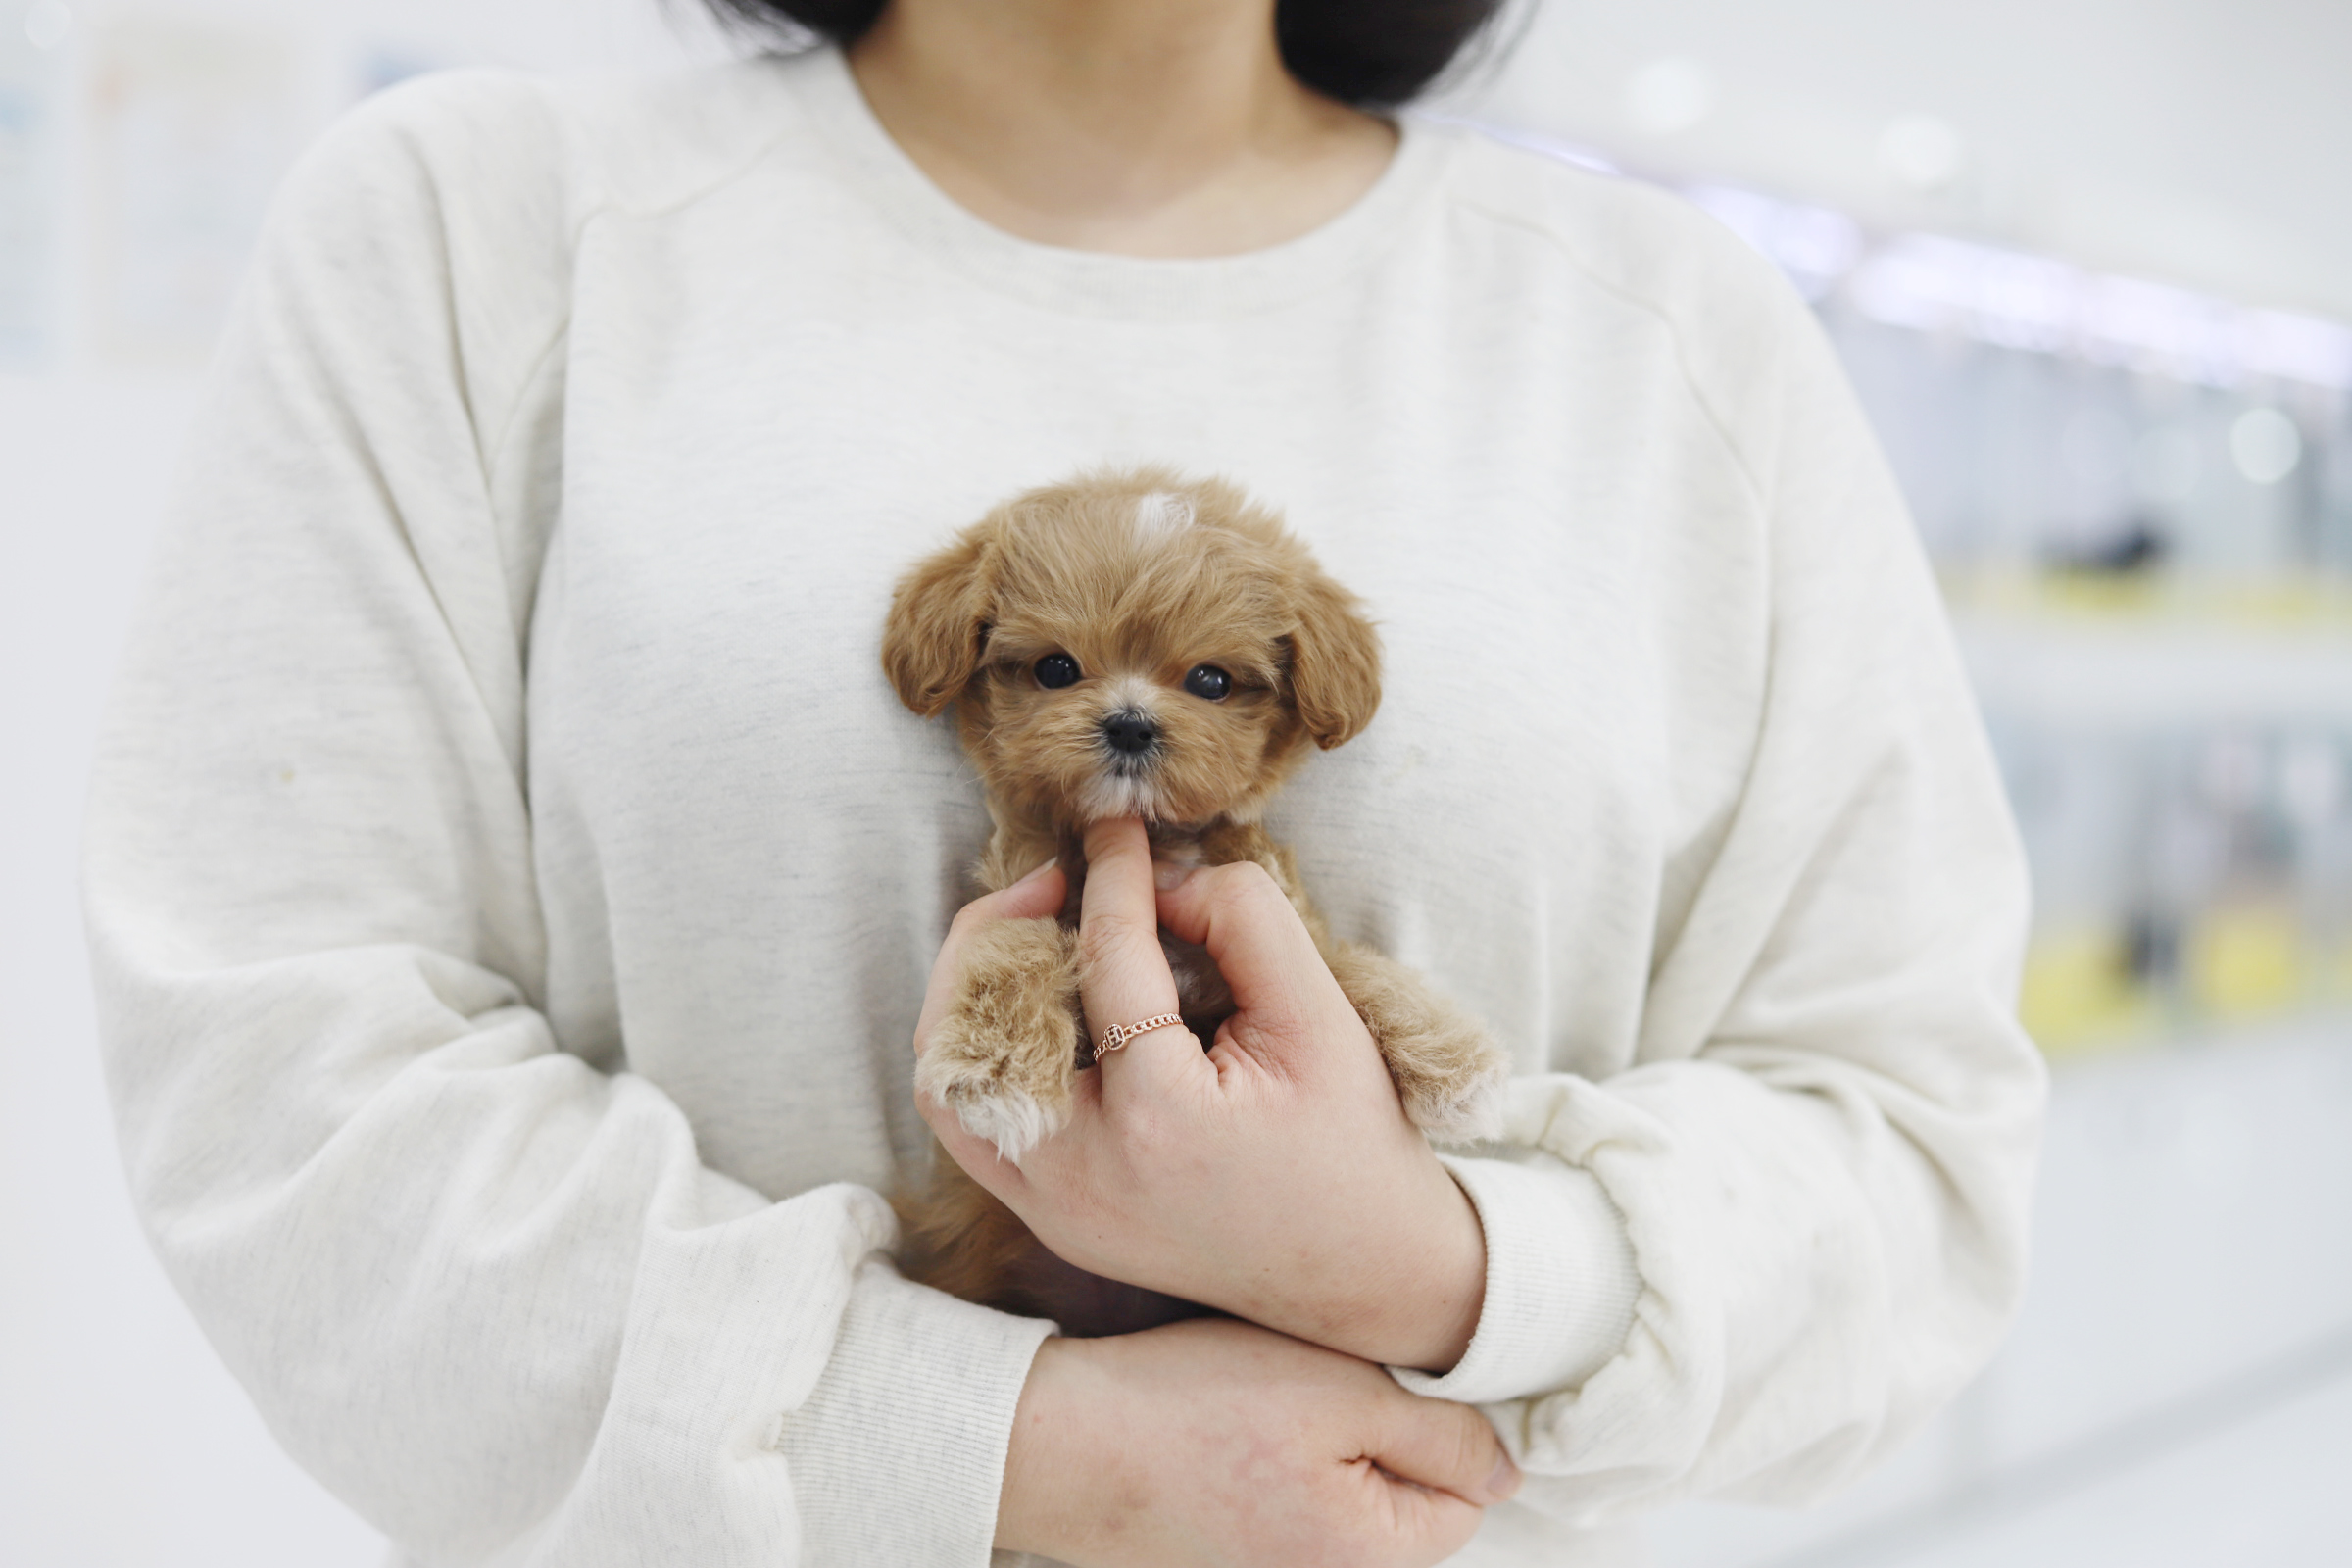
x,y
513,882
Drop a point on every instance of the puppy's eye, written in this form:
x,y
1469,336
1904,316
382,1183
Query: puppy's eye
x,y
1208,680
1056,671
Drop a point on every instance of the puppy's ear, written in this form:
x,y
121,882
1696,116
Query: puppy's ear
x,y
1335,661
939,621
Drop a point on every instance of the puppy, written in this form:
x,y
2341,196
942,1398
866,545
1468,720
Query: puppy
x,y
1131,643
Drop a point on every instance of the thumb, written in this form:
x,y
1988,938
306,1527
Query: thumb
x,y
1036,896
1447,1448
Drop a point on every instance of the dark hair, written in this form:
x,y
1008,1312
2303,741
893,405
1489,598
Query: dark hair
x,y
1369,53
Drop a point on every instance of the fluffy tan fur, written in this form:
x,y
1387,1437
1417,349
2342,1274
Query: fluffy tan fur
x,y
1140,577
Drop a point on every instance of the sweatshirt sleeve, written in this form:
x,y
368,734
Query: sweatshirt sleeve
x,y
484,1291
1764,1255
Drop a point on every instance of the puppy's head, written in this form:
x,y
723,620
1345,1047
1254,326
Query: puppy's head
x,y
1133,645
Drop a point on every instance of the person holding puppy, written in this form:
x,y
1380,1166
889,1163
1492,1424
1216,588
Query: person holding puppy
x,y
514,891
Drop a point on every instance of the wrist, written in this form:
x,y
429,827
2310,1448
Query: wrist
x,y
1413,1300
1039,1508
1429,1316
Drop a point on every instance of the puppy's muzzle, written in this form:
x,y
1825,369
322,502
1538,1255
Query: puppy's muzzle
x,y
1131,737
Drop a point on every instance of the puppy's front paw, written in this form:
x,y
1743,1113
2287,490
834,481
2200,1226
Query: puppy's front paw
x,y
1004,1054
1010,1118
1449,1073
1459,1106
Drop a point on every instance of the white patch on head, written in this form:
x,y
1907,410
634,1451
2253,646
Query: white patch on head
x,y
1162,513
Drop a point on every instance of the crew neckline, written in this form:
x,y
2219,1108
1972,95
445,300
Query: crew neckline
x,y
1103,282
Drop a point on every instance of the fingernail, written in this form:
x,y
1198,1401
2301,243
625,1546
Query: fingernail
x,y
1034,875
1505,1479
1168,878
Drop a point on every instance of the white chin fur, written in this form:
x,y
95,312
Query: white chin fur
x,y
1010,1118
1111,795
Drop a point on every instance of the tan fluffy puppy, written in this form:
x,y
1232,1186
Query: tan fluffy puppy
x,y
1131,643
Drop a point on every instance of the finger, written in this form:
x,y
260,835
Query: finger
x,y
1123,975
1035,896
1260,944
1445,1446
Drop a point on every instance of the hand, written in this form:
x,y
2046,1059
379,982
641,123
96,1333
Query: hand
x,y
1275,1176
1219,1443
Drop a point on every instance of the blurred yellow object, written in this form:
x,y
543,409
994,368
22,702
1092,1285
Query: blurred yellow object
x,y
2310,604
2336,973
2079,995
2245,959
2083,594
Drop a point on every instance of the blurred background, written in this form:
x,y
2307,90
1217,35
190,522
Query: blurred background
x,y
2090,262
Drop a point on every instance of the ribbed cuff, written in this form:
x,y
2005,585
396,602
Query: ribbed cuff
x,y
1560,1283
897,1455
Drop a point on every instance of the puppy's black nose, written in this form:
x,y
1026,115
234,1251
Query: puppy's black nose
x,y
1130,732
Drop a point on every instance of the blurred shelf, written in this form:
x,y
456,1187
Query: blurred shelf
x,y
2301,1042
2156,671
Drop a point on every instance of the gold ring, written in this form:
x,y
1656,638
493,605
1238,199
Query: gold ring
x,y
1118,1034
